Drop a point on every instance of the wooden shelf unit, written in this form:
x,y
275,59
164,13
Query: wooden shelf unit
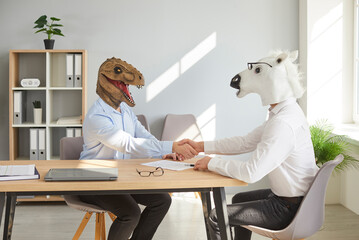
x,y
57,100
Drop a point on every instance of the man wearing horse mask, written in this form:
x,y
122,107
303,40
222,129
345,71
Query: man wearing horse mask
x,y
111,131
282,149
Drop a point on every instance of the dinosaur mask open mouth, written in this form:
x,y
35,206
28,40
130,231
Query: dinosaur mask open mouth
x,y
123,87
114,78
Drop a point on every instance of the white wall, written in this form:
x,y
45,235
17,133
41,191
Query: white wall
x,y
349,194
193,48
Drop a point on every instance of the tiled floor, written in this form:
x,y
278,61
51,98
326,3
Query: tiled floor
x,y
184,220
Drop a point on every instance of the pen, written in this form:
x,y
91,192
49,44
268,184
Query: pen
x,y
189,165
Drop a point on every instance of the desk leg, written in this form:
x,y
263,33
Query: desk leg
x,y
206,205
219,196
9,215
2,204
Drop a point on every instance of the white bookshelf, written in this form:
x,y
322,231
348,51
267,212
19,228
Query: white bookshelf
x,y
57,100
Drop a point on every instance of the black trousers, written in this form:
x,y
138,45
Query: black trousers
x,y
129,218
260,208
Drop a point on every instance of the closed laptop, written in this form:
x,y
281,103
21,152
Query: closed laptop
x,y
81,174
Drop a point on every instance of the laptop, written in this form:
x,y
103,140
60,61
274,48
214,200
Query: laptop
x,y
81,174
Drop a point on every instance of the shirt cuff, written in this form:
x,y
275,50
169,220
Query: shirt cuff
x,y
209,147
166,147
213,163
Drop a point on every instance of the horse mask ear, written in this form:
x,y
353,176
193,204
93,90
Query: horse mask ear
x,y
292,56
281,58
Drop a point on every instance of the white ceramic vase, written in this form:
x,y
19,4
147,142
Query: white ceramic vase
x,y
37,115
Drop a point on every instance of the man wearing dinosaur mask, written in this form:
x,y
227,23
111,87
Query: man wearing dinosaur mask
x,y
111,131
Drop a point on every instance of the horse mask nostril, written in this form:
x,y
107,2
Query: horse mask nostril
x,y
235,81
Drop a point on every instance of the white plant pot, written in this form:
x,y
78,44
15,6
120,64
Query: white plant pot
x,y
37,115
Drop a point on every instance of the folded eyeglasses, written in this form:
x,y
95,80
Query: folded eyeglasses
x,y
157,172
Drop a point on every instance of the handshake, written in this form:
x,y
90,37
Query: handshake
x,y
185,149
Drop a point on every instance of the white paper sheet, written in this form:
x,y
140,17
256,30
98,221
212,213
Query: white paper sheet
x,y
171,165
17,170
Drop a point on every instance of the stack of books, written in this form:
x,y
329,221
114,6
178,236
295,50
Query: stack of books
x,y
18,172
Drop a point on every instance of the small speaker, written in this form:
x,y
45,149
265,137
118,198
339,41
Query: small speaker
x,y
30,82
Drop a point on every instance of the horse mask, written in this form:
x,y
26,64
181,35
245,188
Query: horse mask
x,y
274,78
114,78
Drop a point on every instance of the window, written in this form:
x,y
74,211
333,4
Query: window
x,y
356,62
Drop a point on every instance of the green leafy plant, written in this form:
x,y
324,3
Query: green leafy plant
x,y
49,28
328,145
37,104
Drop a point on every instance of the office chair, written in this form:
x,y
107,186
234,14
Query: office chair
x,y
143,121
178,127
310,215
71,148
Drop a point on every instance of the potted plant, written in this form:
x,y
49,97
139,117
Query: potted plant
x,y
328,145
37,112
49,28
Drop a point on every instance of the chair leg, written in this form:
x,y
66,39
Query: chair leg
x,y
112,216
82,225
98,227
197,195
103,226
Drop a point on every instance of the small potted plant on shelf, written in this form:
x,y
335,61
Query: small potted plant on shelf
x,y
37,112
328,145
49,28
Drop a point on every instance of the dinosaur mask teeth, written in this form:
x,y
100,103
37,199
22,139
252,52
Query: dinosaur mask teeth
x,y
123,87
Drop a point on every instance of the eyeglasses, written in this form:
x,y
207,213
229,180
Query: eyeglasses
x,y
157,173
250,65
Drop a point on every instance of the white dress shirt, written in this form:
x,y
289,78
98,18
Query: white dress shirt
x,y
110,134
282,149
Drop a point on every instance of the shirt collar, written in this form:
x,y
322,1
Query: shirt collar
x,y
107,108
281,105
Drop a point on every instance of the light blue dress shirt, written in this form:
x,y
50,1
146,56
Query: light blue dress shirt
x,y
110,134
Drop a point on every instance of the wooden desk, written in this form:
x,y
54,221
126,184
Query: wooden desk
x,y
128,182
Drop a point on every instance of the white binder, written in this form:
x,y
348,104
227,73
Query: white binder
x,y
41,144
78,132
34,153
77,69
70,132
19,107
69,70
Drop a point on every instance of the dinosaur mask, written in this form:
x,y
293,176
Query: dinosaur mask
x,y
114,78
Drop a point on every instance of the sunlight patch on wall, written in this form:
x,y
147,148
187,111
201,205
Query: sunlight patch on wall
x,y
198,52
174,72
163,81
207,123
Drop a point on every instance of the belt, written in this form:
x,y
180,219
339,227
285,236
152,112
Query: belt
x,y
294,200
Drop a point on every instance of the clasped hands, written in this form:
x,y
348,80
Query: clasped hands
x,y
186,149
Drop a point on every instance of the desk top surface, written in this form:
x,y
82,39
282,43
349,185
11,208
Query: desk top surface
x,y
128,178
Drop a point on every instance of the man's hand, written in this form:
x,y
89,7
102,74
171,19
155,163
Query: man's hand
x,y
173,156
202,164
184,149
198,146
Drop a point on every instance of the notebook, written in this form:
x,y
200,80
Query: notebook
x,y
81,174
